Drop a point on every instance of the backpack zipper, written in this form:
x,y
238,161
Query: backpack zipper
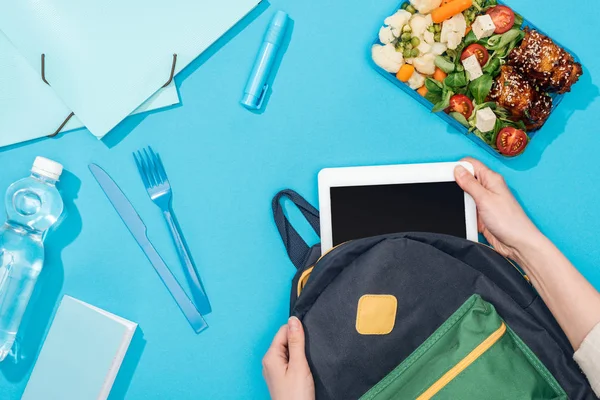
x,y
464,363
523,274
306,274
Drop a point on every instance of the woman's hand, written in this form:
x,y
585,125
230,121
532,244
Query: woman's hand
x,y
285,367
500,217
572,299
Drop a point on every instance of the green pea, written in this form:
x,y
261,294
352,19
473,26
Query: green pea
x,y
408,46
415,41
411,9
431,29
405,37
400,46
407,53
415,53
407,28
437,28
438,37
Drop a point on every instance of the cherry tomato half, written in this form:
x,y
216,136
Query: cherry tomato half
x,y
503,17
479,51
461,104
511,141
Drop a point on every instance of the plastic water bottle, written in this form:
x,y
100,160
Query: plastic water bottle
x,y
33,205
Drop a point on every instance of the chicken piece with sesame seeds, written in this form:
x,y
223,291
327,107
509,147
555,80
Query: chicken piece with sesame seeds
x,y
548,65
517,95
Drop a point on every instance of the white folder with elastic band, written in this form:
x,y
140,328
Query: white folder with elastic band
x,y
105,58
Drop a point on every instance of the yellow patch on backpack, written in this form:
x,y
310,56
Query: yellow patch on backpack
x,y
376,314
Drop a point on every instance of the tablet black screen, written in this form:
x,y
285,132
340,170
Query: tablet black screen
x,y
364,211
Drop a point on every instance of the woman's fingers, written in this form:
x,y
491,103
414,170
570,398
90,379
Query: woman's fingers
x,y
287,350
276,359
469,184
488,178
296,345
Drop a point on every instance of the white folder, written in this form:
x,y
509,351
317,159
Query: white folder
x,y
30,109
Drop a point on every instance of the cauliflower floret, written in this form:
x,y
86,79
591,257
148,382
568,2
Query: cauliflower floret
x,y
386,35
460,23
419,24
446,29
429,37
425,6
425,64
398,20
387,57
453,30
416,81
454,40
438,48
424,48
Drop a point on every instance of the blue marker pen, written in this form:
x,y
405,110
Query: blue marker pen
x,y
257,86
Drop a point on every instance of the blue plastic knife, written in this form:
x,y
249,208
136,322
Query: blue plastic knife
x,y
138,229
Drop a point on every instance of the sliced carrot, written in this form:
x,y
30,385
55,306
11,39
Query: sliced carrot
x,y
468,30
439,75
449,10
422,90
405,73
446,2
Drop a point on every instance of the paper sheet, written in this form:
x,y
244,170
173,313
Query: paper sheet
x,y
30,109
104,58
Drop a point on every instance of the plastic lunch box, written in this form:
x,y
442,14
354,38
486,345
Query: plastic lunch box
x,y
556,98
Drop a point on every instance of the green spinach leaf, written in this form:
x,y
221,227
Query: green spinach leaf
x,y
480,87
497,128
470,38
460,118
444,64
433,98
489,4
486,137
453,54
493,66
456,80
498,42
491,104
434,86
518,21
444,103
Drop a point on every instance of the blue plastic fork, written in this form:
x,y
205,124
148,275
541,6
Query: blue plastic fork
x,y
158,187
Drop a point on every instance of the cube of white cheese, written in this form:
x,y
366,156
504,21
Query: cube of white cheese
x,y
485,120
483,26
472,67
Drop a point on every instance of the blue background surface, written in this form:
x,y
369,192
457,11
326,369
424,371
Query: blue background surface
x,y
328,108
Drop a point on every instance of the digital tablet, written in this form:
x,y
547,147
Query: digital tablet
x,y
360,202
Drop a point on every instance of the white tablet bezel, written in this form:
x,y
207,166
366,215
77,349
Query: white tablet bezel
x,y
389,175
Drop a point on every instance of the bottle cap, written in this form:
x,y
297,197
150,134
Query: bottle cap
x,y
48,168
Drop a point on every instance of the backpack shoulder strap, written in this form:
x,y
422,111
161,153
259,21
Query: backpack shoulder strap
x,y
295,246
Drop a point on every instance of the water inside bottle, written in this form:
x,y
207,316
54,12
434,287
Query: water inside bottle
x,y
33,205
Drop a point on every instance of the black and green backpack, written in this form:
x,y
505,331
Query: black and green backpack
x,y
419,315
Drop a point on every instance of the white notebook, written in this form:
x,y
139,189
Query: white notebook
x,y
81,355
